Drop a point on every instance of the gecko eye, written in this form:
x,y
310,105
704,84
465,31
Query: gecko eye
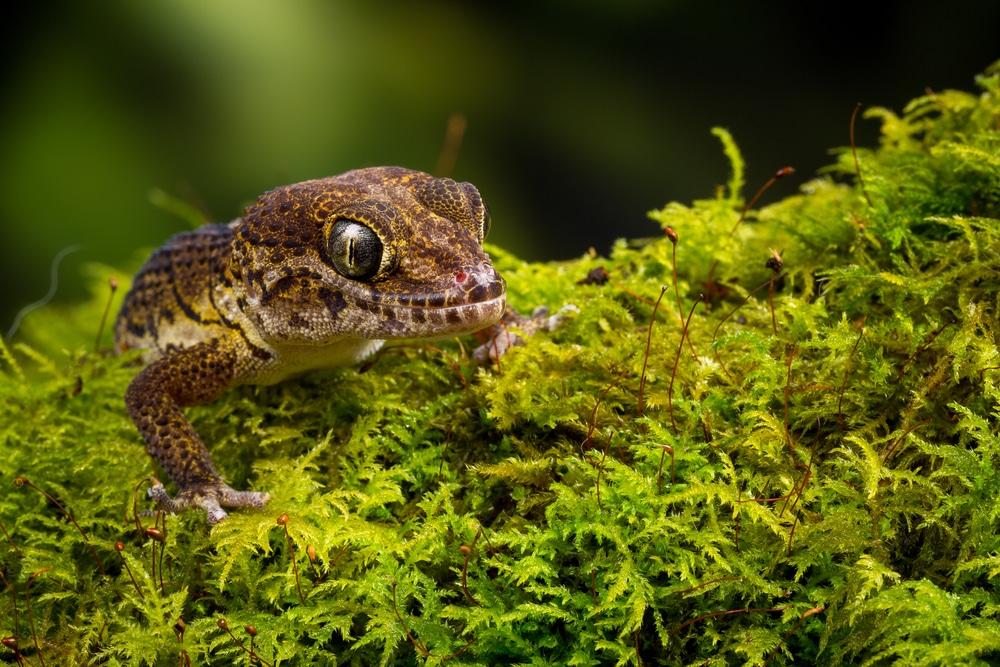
x,y
355,250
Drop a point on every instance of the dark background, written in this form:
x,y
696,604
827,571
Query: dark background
x,y
582,116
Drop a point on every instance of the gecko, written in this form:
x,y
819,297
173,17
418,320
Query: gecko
x,y
315,275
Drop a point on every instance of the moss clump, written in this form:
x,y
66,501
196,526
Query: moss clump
x,y
812,476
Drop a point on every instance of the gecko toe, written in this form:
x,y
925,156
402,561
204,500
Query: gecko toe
x,y
211,497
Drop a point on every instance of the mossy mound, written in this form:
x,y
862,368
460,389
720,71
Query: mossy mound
x,y
810,475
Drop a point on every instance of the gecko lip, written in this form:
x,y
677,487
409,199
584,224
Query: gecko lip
x,y
439,321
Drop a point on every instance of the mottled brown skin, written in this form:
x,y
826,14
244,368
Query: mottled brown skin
x,y
297,284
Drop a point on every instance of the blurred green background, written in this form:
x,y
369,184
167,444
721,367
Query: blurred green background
x,y
581,116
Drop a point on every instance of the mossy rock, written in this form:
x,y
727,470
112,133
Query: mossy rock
x,y
776,464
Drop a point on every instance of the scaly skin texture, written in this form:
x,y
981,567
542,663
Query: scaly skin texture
x,y
315,275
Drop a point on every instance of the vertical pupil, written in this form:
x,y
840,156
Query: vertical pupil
x,y
354,249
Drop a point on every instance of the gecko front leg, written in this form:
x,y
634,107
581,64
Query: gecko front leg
x,y
183,377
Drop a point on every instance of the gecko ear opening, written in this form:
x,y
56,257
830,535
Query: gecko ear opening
x,y
486,222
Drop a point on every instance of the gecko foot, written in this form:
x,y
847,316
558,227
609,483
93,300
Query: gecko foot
x,y
500,337
211,497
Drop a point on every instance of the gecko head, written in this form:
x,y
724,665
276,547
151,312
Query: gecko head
x,y
377,253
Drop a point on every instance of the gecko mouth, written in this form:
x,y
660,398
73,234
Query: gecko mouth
x,y
473,299
408,321
470,300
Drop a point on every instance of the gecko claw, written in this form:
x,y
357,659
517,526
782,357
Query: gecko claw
x,y
211,497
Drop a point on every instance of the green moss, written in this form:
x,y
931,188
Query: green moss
x,y
819,485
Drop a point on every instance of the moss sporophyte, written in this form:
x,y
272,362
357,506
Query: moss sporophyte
x,y
823,376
